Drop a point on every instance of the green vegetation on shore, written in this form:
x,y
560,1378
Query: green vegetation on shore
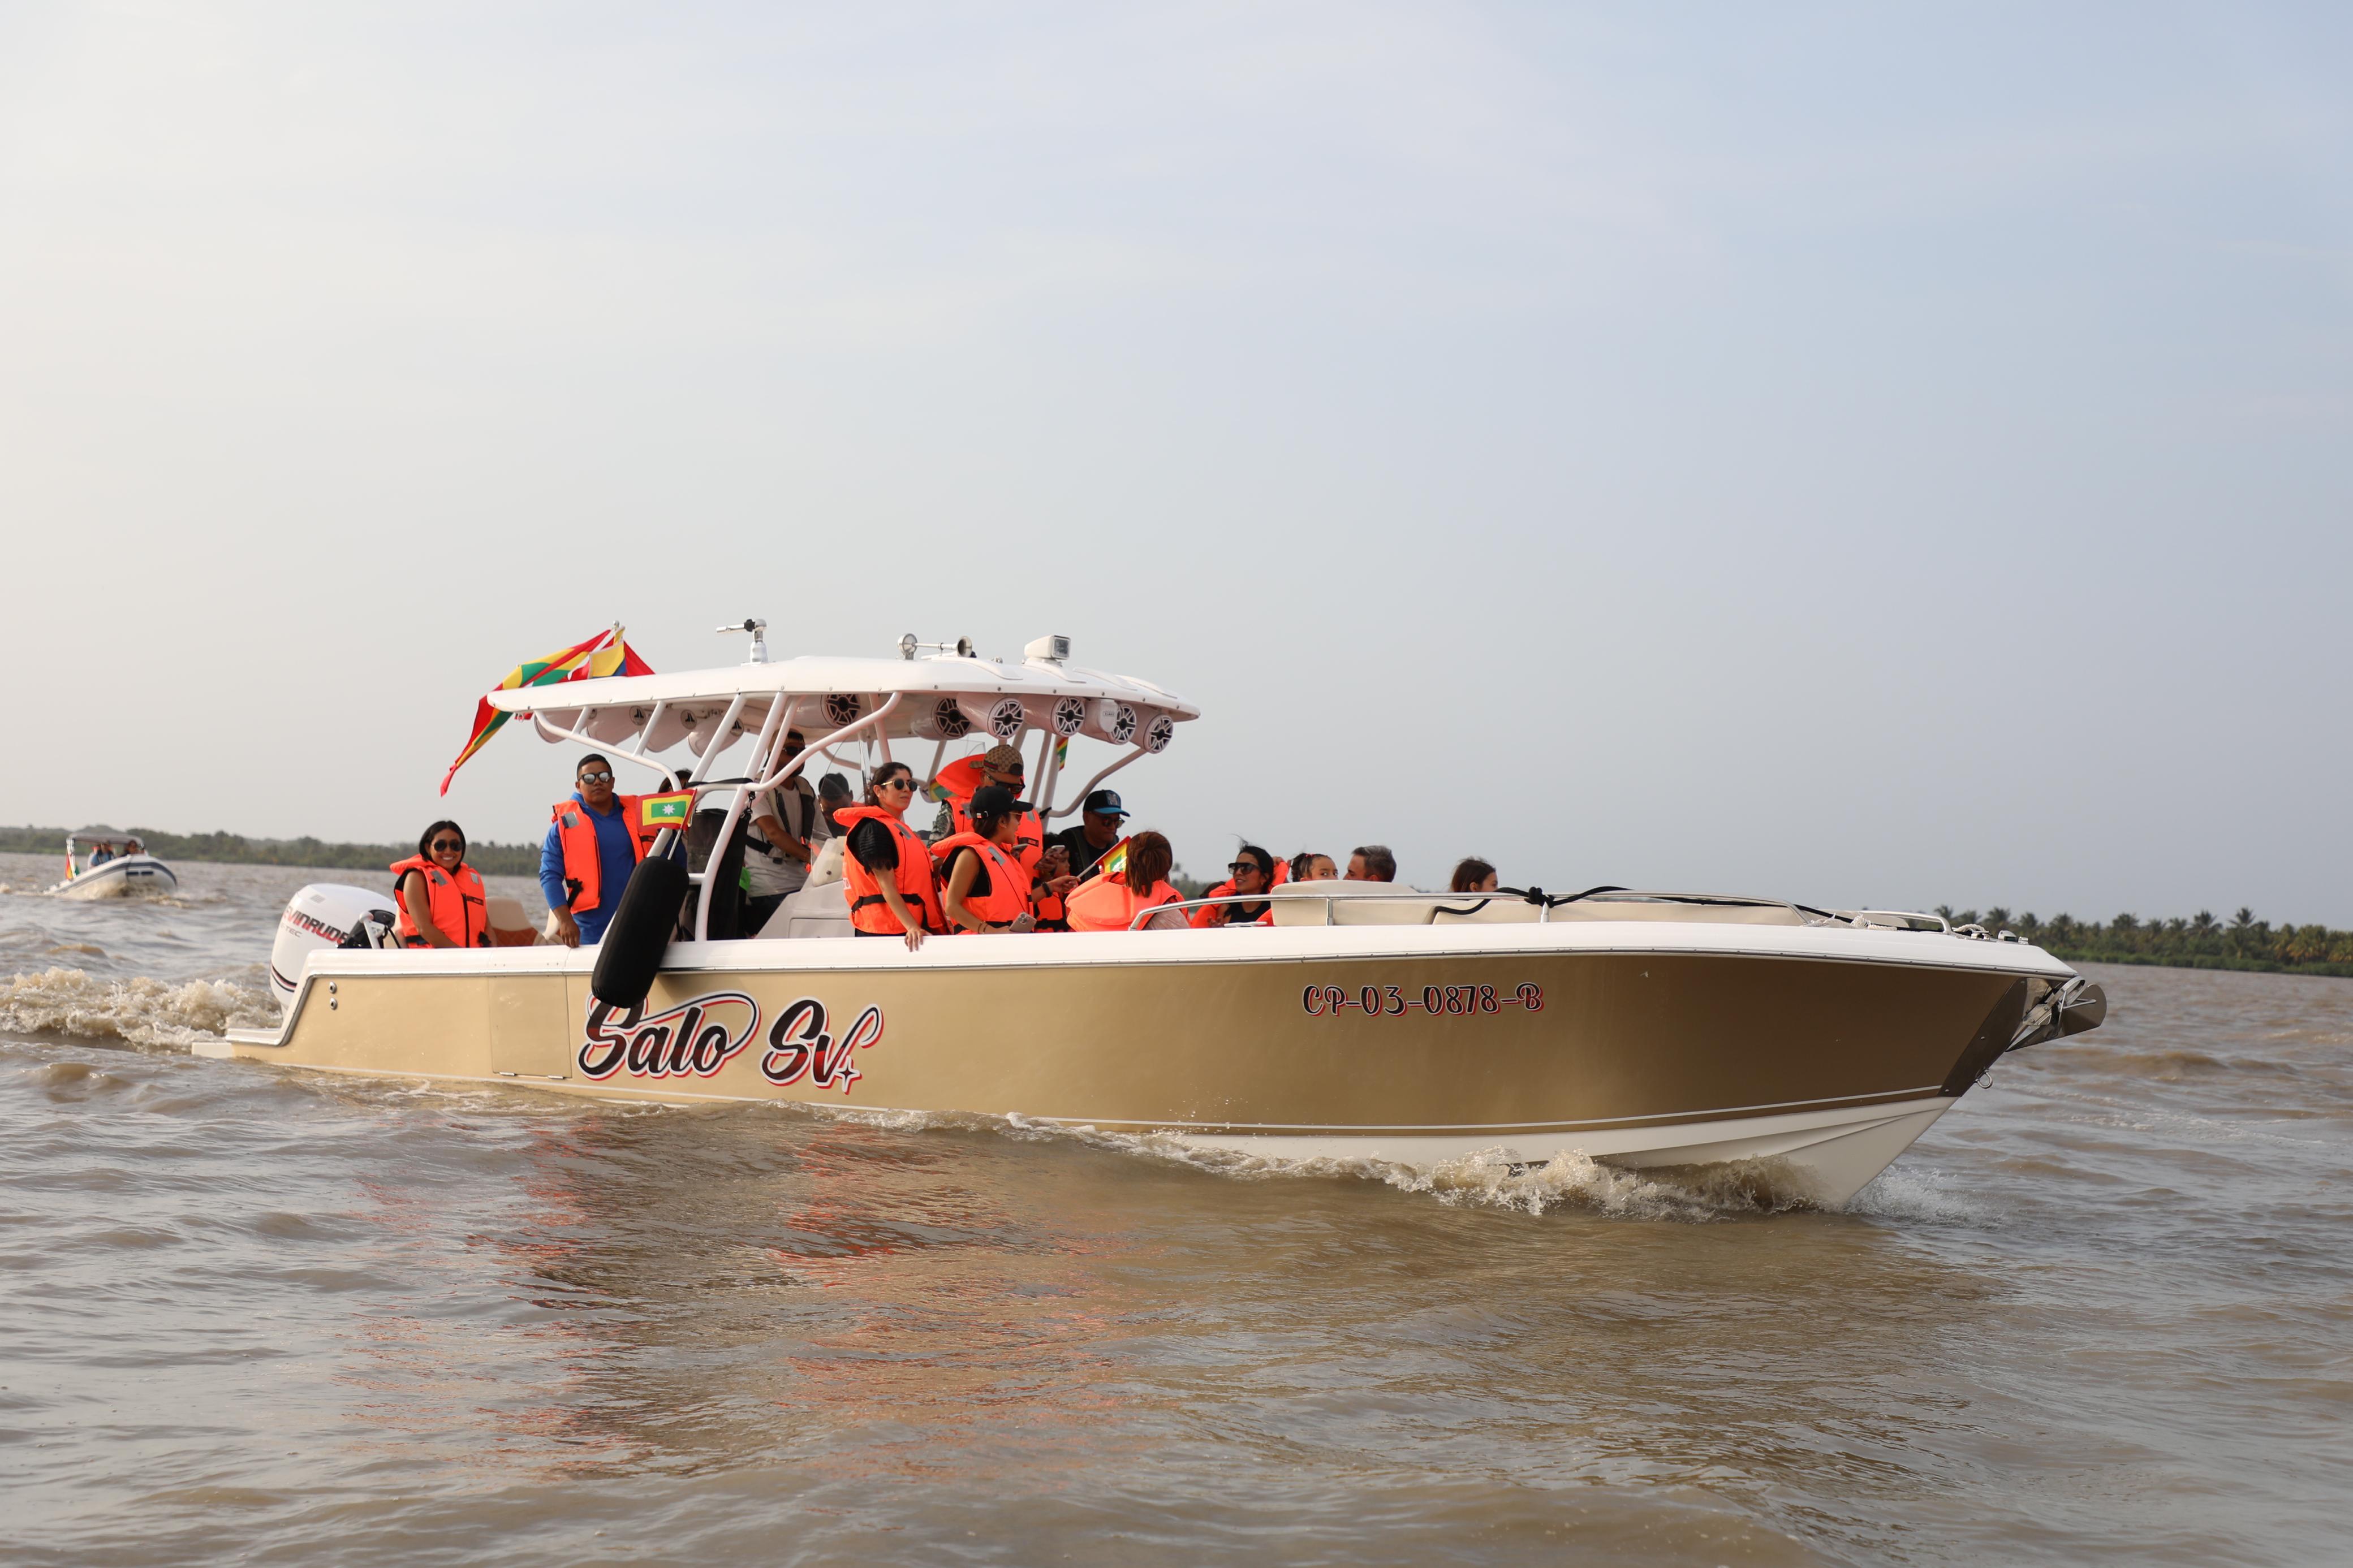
x,y
491,859
2201,941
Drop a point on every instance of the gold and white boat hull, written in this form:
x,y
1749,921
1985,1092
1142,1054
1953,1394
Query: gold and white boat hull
x,y
1826,1051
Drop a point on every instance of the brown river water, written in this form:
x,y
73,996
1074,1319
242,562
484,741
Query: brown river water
x,y
2103,1312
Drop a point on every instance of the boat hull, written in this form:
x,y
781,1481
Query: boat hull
x,y
1825,1052
132,877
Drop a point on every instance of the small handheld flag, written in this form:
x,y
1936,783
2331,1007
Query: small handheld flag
x,y
657,811
606,653
1113,860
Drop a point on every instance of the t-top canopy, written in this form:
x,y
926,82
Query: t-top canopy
x,y
941,698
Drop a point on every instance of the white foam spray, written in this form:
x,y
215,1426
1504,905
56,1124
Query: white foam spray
x,y
139,1011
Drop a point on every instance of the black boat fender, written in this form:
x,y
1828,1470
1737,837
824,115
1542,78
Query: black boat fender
x,y
629,954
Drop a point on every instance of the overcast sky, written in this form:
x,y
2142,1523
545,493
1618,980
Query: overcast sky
x,y
1862,454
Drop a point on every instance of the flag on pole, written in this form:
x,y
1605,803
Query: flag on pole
x,y
606,653
1061,750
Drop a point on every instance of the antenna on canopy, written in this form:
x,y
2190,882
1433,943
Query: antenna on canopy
x,y
759,630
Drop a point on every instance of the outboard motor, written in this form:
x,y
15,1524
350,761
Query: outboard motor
x,y
326,914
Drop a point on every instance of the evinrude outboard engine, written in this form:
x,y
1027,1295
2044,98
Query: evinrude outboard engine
x,y
326,914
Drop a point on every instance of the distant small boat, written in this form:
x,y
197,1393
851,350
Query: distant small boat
x,y
129,872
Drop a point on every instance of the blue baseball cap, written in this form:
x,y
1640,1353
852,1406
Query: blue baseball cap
x,y
1105,803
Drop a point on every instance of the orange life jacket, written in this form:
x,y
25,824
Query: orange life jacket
x,y
1207,914
1009,894
455,902
575,834
1108,903
960,781
868,911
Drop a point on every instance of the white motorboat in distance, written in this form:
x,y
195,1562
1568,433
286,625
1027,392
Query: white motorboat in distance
x,y
1644,1029
116,867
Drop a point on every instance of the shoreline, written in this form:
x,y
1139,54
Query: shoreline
x,y
2328,970
236,849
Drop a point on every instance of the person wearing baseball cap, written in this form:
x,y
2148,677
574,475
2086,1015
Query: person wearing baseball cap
x,y
1102,820
1001,765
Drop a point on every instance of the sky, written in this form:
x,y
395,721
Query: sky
x,y
1867,455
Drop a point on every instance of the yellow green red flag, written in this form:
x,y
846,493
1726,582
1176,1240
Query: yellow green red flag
x,y
666,810
1113,860
606,653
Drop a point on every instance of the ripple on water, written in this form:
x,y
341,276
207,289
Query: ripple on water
x,y
2101,1311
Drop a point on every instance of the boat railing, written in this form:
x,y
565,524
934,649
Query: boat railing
x,y
1911,919
1445,903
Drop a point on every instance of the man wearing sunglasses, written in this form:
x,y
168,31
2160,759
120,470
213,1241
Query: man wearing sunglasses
x,y
592,846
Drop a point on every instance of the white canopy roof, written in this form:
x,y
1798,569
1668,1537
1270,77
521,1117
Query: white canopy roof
x,y
940,697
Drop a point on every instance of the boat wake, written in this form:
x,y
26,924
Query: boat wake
x,y
137,1011
1495,1179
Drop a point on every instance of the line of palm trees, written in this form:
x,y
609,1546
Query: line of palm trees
x,y
2241,941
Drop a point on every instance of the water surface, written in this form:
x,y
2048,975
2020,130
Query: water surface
x,y
2104,1312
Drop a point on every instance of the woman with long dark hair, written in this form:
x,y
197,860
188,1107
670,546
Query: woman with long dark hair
x,y
886,867
1252,873
437,882
1473,875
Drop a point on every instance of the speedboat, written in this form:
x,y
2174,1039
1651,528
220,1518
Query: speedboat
x,y
108,873
1643,1029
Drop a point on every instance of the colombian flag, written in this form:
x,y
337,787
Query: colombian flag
x,y
606,653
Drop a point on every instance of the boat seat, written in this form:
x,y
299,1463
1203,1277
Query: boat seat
x,y
510,927
1353,904
819,909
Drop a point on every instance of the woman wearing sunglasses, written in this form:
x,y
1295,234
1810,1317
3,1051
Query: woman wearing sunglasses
x,y
437,880
886,870
1253,872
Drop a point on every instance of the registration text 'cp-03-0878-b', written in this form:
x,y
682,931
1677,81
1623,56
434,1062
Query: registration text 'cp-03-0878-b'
x,y
1396,1002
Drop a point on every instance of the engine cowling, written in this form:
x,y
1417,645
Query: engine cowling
x,y
329,915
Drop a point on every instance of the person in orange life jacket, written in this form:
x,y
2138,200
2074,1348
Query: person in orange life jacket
x,y
1307,866
593,843
1253,872
886,868
437,883
1112,901
1101,819
1001,765
985,888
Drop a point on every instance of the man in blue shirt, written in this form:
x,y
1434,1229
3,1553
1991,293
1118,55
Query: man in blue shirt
x,y
617,856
